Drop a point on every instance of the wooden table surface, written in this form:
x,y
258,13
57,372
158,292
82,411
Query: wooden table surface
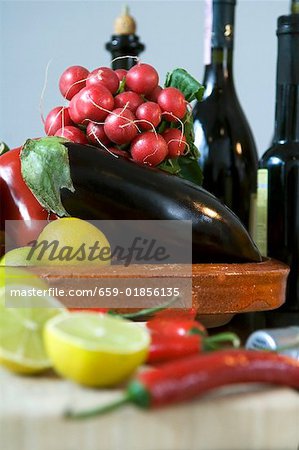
x,y
235,418
31,418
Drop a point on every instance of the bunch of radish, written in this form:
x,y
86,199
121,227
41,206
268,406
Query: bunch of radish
x,y
126,112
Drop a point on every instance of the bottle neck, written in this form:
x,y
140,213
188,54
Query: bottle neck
x,y
219,41
122,47
287,89
219,73
287,114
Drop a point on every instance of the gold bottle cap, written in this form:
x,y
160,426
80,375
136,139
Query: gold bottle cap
x,y
125,24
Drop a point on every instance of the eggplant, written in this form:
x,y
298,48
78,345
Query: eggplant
x,y
106,187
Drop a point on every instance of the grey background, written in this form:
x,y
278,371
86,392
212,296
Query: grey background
x,y
74,32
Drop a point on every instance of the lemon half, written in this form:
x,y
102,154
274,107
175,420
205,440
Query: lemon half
x,y
70,241
95,349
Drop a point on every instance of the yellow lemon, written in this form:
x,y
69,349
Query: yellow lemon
x,y
95,349
21,330
71,241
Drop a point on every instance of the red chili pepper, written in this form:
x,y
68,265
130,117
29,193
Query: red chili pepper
x,y
164,348
193,376
17,201
93,310
176,326
177,314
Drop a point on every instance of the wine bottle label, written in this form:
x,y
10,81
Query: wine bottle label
x,y
252,214
260,235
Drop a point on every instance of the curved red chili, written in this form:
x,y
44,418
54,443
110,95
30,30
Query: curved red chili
x,y
187,378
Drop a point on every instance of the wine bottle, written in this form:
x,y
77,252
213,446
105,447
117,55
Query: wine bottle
x,y
295,6
277,232
124,45
228,154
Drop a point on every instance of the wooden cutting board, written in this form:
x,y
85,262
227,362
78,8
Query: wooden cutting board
x,y
248,418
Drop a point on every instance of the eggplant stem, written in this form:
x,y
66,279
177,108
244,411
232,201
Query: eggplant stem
x,y
101,410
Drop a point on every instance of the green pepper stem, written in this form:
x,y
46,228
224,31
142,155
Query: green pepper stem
x,y
101,410
211,342
197,331
150,311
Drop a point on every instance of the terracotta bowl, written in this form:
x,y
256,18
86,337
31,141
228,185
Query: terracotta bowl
x,y
219,291
222,290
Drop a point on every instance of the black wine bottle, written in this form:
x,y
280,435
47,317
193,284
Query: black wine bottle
x,y
277,232
228,154
124,45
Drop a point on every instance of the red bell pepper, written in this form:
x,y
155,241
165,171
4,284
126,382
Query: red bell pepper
x,y
17,201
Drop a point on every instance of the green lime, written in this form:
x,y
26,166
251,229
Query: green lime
x,y
21,333
17,257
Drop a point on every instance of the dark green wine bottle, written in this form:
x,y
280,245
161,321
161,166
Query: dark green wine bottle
x,y
228,154
277,232
124,45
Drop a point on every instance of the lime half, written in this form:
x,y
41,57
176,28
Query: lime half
x,y
17,257
95,349
21,333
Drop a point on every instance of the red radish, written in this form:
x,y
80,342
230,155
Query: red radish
x,y
96,134
119,126
121,73
129,98
173,101
91,103
149,148
153,96
72,81
175,141
142,78
105,76
73,134
57,118
151,112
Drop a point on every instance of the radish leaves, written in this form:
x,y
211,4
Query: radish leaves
x,y
182,80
